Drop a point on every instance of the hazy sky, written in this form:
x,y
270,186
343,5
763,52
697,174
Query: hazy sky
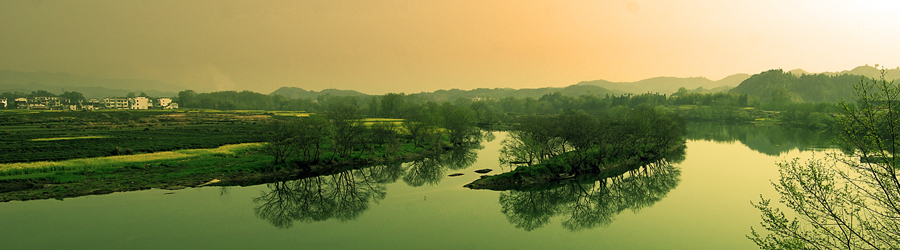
x,y
422,45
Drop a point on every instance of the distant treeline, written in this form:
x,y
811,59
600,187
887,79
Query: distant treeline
x,y
692,106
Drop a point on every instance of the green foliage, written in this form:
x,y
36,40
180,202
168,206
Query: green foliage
x,y
849,201
575,143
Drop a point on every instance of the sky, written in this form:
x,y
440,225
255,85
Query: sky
x,y
382,46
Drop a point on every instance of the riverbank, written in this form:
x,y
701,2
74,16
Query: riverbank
x,y
241,164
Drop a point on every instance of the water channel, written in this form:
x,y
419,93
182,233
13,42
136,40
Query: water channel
x,y
702,202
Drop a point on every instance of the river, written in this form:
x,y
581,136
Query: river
x,y
702,202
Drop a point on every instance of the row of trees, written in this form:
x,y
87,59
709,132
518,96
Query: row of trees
x,y
341,132
695,106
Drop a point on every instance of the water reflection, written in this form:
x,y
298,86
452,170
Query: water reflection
x,y
433,169
588,202
345,196
769,140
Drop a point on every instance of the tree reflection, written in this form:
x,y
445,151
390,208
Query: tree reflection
x,y
345,196
586,204
425,171
433,169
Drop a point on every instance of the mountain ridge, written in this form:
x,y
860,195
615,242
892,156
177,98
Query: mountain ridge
x,y
93,87
668,85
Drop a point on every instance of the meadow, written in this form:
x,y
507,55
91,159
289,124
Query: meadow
x,y
29,136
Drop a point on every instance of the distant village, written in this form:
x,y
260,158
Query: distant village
x,y
61,103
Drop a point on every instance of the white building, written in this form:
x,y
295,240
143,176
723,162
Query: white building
x,y
3,103
139,102
164,102
21,102
115,102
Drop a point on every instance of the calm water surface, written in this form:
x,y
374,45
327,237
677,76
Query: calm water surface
x,y
702,202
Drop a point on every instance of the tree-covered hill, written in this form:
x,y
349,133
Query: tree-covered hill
x,y
777,86
299,93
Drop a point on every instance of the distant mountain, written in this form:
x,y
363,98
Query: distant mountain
x,y
91,87
799,72
500,93
866,70
299,93
667,85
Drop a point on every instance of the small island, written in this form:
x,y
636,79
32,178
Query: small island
x,y
573,144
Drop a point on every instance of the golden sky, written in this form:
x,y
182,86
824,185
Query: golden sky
x,y
424,45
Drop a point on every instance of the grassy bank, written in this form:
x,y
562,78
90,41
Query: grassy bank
x,y
60,135
240,164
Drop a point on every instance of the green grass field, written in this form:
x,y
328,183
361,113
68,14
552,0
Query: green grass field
x,y
28,136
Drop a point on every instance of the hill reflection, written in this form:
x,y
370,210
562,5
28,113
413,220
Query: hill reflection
x,y
769,140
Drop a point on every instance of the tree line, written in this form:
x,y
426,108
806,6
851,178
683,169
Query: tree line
x,y
342,132
488,111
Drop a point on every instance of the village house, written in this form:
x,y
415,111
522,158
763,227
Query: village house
x,y
21,103
139,102
166,103
59,103
44,101
115,103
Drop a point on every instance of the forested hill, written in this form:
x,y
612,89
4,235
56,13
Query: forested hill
x,y
500,93
667,85
777,86
299,93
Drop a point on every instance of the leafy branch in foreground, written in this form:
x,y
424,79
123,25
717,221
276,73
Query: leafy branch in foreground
x,y
853,200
